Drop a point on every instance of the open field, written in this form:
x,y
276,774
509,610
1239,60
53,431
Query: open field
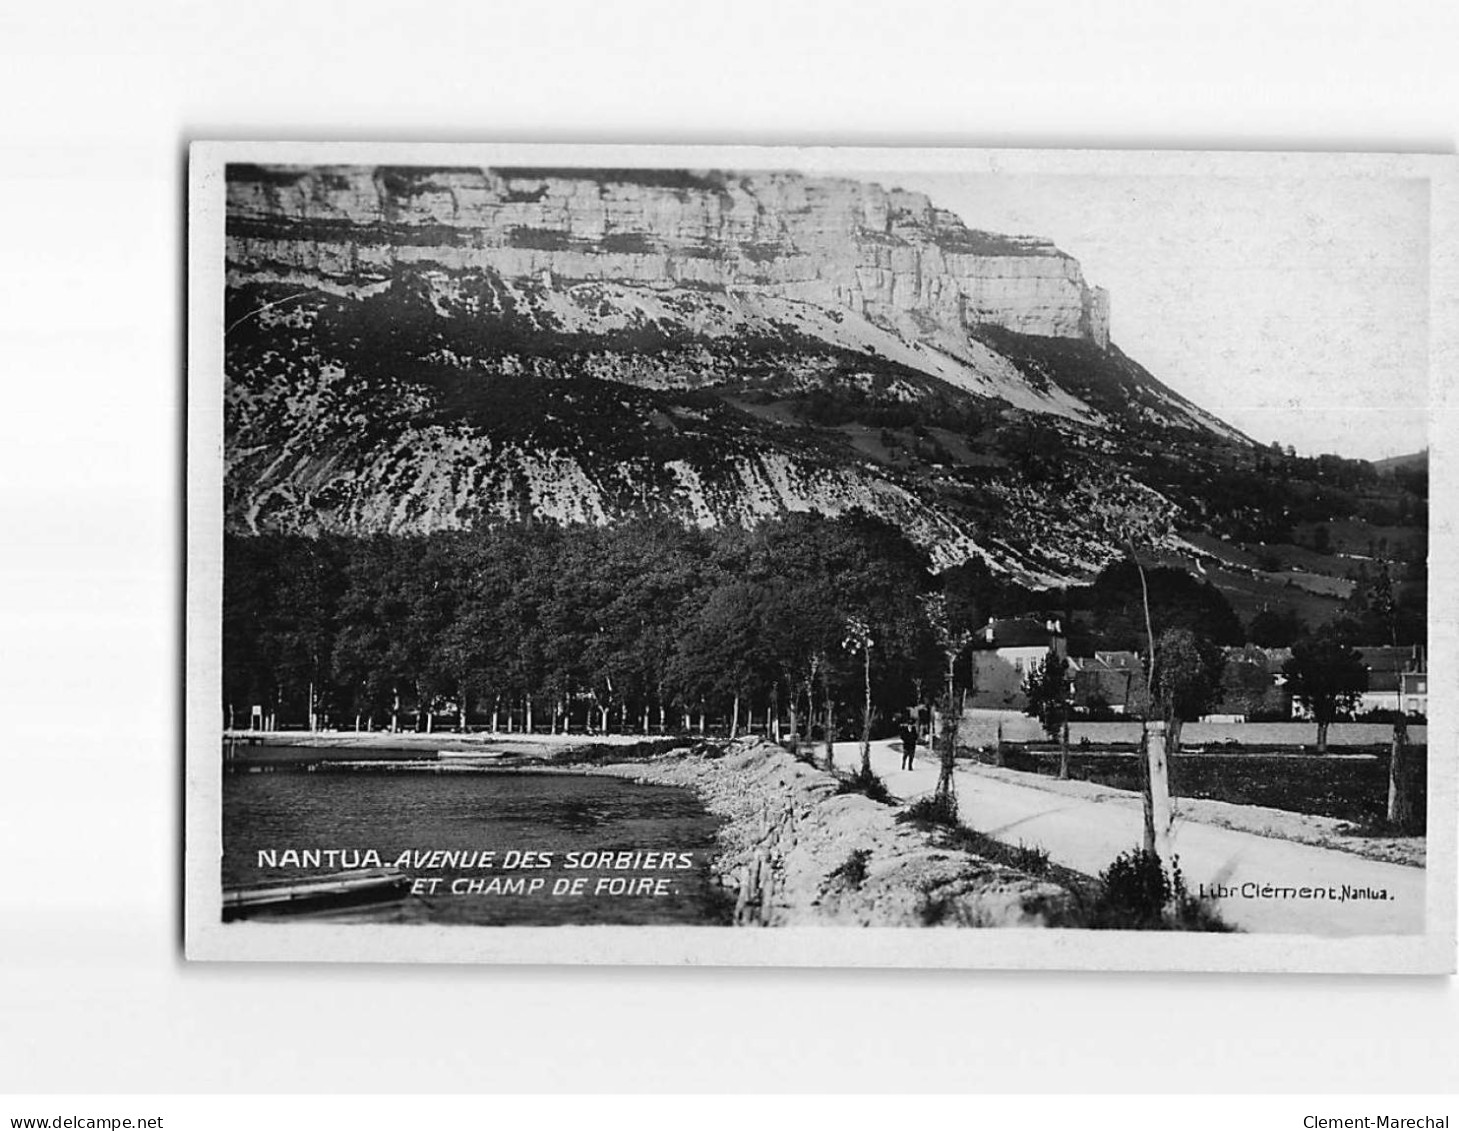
x,y
1269,735
1256,576
1314,597
1349,788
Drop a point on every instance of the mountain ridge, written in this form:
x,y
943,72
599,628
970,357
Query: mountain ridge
x,y
417,349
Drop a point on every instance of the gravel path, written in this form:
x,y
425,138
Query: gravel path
x,y
1262,883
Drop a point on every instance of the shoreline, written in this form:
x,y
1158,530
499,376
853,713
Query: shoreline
x,y
795,851
577,753
790,849
425,740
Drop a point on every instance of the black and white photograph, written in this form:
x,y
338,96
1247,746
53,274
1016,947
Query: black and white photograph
x,y
688,565
768,542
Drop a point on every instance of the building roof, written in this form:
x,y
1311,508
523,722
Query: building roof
x,y
1117,686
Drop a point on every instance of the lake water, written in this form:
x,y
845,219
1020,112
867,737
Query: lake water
x,y
562,820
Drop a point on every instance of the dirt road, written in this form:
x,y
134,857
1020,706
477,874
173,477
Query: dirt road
x,y
1259,883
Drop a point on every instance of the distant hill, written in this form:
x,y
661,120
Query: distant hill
x,y
1419,459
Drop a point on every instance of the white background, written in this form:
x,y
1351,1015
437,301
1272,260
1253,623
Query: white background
x,y
96,104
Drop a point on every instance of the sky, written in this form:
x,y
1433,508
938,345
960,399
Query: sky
x,y
1294,308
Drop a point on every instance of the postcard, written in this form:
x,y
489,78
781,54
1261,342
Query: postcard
x,y
754,556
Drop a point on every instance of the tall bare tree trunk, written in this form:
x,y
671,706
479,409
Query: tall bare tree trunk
x,y
1400,798
866,716
794,722
529,714
735,718
830,734
1158,814
395,710
1174,726
830,717
1322,726
946,792
1064,748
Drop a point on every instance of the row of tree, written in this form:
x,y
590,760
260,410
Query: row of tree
x,y
1188,671
644,625
542,626
1194,675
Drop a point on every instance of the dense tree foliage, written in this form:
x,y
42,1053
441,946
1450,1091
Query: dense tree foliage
x,y
1046,687
1276,628
1326,677
1188,669
1050,700
1248,687
1384,610
621,627
1177,600
653,626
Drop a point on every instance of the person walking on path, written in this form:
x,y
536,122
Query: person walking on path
x,y
909,744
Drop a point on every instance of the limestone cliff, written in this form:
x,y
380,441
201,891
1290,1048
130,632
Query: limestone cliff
x,y
415,349
886,254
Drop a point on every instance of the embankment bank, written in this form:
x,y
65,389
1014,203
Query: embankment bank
x,y
795,852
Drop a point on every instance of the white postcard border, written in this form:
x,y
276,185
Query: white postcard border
x,y
208,938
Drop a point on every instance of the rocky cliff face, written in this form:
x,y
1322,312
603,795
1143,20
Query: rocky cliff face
x,y
414,349
887,255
